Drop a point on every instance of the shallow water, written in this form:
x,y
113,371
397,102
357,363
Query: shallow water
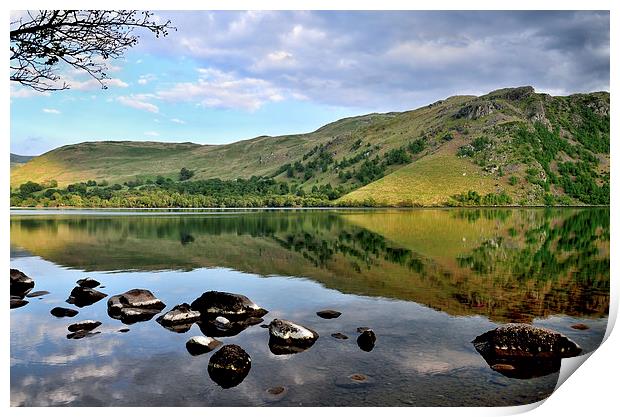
x,y
427,281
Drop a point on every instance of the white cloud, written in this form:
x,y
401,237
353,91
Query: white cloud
x,y
146,78
51,111
26,92
219,89
179,121
138,101
151,133
93,84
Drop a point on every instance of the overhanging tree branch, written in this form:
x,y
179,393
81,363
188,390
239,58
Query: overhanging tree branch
x,y
82,39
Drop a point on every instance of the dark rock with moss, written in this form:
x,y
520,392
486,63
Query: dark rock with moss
x,y
21,284
88,282
82,296
229,366
63,312
366,340
524,351
198,345
286,337
134,306
328,314
229,305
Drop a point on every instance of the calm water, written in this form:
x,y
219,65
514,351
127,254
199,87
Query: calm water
x,y
427,281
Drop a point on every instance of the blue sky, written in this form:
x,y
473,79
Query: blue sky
x,y
226,76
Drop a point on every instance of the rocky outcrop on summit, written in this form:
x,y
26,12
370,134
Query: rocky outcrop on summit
x,y
477,110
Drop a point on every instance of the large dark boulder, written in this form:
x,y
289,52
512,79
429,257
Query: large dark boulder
x,y
286,337
366,340
524,351
231,306
21,284
229,366
82,296
134,306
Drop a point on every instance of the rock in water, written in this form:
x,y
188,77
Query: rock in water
x,y
179,319
219,329
198,345
222,322
524,340
340,336
366,340
134,306
85,325
88,283
580,326
21,284
523,351
35,294
231,306
328,314
229,366
80,334
82,296
63,312
17,302
286,337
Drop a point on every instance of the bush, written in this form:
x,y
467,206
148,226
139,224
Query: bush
x,y
185,174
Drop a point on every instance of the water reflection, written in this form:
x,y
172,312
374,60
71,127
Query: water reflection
x,y
426,281
509,265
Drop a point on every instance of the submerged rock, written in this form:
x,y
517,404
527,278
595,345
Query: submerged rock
x,y
231,306
37,294
524,351
123,330
286,337
134,306
84,325
179,319
88,282
21,284
198,345
580,326
82,296
80,334
219,329
63,312
328,314
229,366
340,336
366,340
362,329
17,302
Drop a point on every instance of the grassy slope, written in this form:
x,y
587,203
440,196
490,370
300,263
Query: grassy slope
x,y
428,182
433,176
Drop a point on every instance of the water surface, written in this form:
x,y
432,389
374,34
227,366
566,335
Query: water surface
x,y
427,281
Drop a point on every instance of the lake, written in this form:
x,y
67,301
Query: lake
x,y
427,281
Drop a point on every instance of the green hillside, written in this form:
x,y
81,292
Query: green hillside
x,y
511,146
17,160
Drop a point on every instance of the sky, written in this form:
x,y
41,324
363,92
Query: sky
x,y
226,76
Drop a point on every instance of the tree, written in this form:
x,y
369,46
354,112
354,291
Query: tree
x,y
185,174
82,39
